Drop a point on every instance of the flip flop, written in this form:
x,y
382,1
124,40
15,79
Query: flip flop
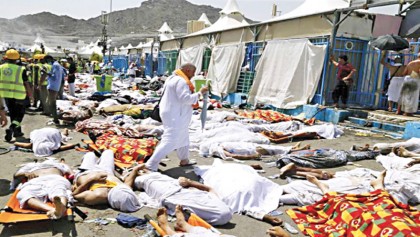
x,y
190,163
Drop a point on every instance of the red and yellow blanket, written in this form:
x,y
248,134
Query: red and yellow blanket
x,y
359,215
126,150
267,115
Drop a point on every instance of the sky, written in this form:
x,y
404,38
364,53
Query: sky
x,y
257,10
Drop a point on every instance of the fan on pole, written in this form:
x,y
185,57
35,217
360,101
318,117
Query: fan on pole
x,y
390,42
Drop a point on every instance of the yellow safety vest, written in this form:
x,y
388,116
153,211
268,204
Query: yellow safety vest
x,y
31,75
11,82
49,68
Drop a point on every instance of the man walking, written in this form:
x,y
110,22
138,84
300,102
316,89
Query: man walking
x,y
14,88
176,107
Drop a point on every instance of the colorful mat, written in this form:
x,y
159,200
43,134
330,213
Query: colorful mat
x,y
267,115
359,215
127,150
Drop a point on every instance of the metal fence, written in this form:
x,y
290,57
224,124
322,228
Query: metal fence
x,y
252,56
170,58
119,62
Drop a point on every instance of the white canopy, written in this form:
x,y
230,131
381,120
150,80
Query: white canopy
x,y
165,28
231,7
164,37
39,40
205,19
312,7
35,47
129,46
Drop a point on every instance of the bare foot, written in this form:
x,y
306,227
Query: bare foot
x,y
402,152
59,209
324,187
379,182
408,114
277,232
306,147
184,182
286,169
162,217
272,220
180,224
297,146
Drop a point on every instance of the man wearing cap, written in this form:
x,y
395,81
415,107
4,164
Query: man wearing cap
x,y
344,79
14,88
396,78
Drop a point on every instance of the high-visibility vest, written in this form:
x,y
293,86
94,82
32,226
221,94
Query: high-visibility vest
x,y
36,72
49,68
30,73
11,82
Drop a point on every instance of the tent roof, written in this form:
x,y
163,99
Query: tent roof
x,y
231,7
165,28
164,37
312,7
205,19
39,40
129,46
225,22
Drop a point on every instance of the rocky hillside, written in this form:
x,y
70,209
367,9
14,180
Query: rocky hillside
x,y
144,20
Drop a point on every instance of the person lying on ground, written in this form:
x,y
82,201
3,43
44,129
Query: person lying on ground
x,y
188,183
46,141
293,170
411,145
45,182
402,152
250,151
96,184
376,184
194,196
324,158
182,228
74,116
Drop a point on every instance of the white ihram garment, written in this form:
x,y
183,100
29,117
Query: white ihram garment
x,y
410,92
176,112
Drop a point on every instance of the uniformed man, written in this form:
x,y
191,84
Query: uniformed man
x,y
14,88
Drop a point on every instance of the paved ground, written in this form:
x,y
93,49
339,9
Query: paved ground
x,y
240,226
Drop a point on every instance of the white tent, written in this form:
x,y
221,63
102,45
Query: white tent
x,y
165,28
312,7
35,47
129,46
165,32
205,19
39,40
230,17
231,7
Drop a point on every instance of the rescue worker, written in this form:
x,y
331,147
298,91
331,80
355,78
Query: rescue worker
x,y
14,88
43,83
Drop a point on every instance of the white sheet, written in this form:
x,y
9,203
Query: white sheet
x,y
291,80
192,55
224,68
242,190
